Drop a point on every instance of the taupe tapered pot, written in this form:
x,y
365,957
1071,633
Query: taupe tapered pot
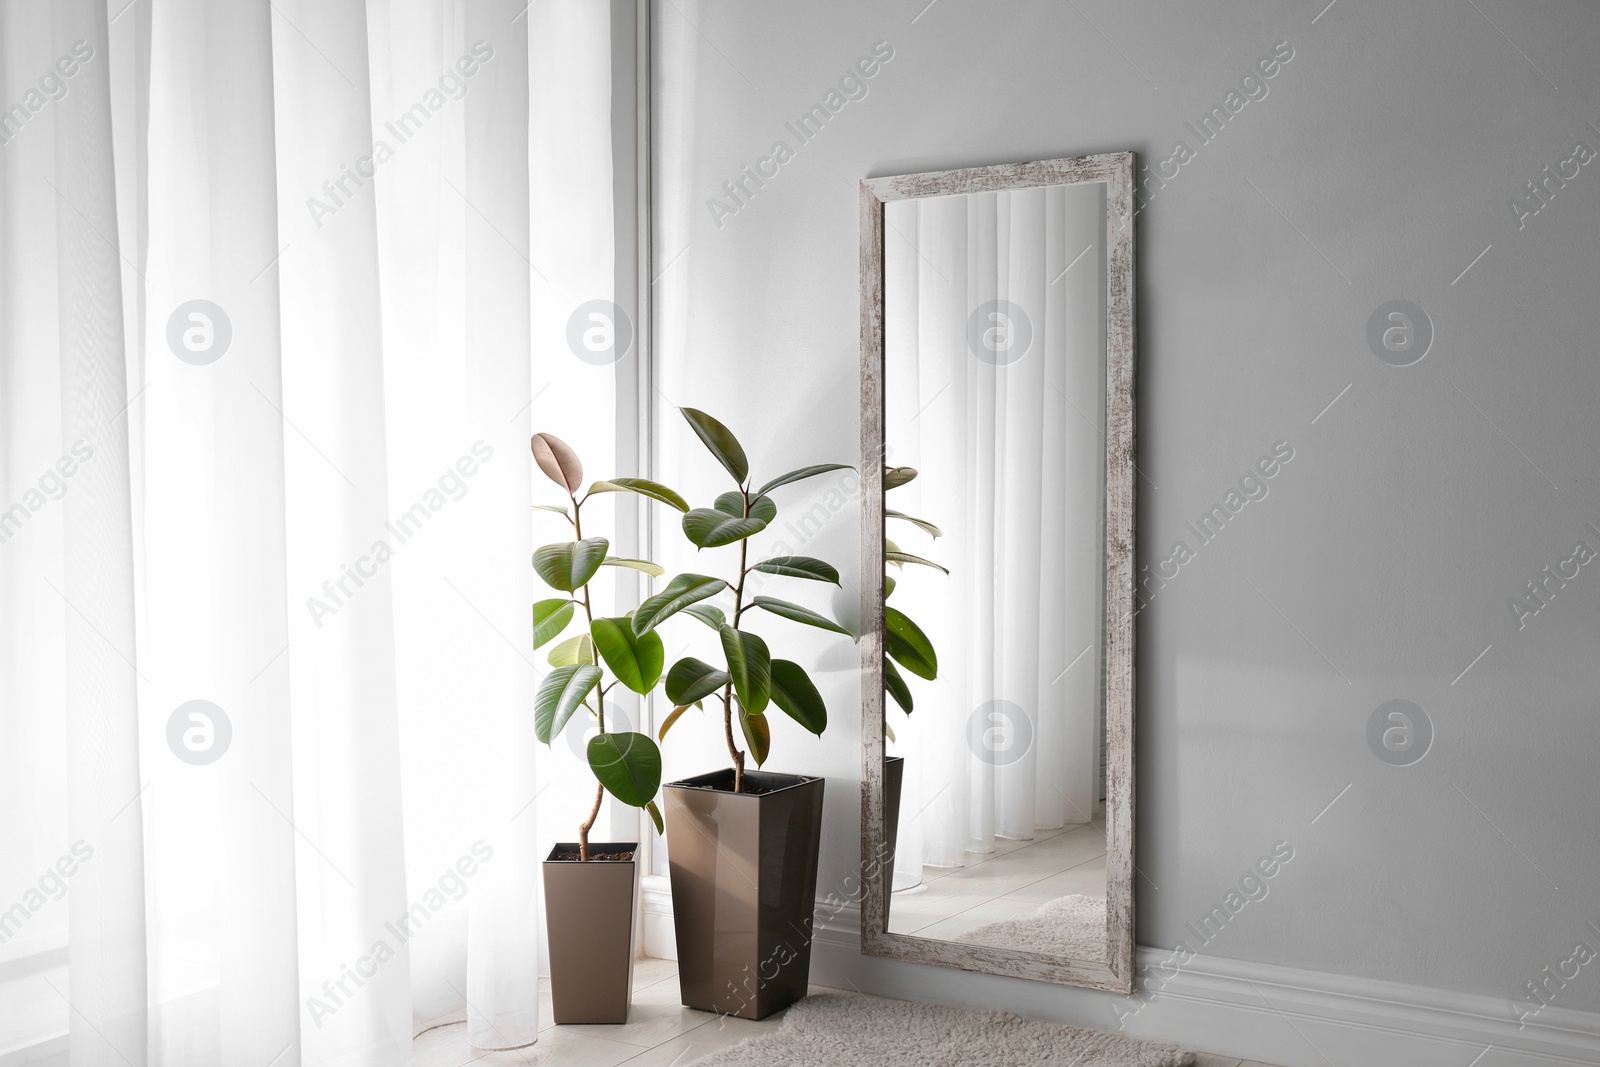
x,y
588,908
894,776
744,888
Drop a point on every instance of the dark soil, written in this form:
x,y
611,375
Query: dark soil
x,y
570,855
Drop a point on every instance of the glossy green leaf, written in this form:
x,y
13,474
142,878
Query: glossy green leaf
x,y
654,570
732,503
710,528
558,461
677,713
896,685
636,659
797,613
642,486
888,587
794,692
550,617
682,591
655,816
709,614
693,679
801,474
895,477
922,524
628,765
561,693
750,665
909,645
906,557
575,650
757,735
799,567
569,566
721,443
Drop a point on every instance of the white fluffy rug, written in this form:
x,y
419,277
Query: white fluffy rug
x,y
843,1030
1073,927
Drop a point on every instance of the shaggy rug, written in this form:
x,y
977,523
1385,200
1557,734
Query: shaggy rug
x,y
844,1030
1072,927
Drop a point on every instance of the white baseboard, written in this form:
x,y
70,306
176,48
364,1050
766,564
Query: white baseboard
x,y
1256,1011
655,900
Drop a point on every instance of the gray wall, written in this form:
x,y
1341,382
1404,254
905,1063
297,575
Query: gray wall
x,y
1380,164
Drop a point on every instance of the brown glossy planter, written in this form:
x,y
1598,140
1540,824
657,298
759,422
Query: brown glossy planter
x,y
588,910
894,776
744,889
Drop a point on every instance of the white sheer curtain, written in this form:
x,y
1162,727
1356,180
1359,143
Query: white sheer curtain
x,y
994,309
279,307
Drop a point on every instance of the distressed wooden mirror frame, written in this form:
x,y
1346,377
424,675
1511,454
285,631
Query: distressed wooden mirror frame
x,y
1116,171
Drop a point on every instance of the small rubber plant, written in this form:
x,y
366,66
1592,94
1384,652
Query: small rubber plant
x,y
751,678
625,764
904,641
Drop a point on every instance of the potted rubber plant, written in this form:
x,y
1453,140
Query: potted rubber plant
x,y
742,842
905,643
590,886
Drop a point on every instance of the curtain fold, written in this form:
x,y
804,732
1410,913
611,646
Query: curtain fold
x,y
994,393
271,279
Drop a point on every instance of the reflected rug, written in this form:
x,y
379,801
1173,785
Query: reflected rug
x,y
1073,927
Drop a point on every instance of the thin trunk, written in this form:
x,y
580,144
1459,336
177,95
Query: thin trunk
x,y
588,824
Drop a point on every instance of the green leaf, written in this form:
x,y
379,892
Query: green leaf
x,y
710,528
922,524
888,586
693,679
793,691
682,591
801,474
642,486
569,566
575,650
677,713
709,614
757,735
561,510
636,659
550,617
654,570
558,461
906,557
799,567
628,765
895,683
721,442
561,693
909,645
895,477
655,816
732,503
797,613
750,665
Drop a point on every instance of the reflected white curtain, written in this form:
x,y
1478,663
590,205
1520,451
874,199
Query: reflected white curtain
x,y
994,325
269,305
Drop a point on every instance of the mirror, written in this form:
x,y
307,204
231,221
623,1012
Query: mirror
x,y
997,444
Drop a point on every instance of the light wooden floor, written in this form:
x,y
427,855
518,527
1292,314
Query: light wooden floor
x,y
661,1032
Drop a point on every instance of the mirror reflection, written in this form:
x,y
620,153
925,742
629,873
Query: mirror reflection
x,y
994,382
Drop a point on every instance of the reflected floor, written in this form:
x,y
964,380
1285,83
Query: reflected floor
x,y
1010,884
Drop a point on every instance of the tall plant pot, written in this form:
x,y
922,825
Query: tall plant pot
x,y
894,776
588,909
744,888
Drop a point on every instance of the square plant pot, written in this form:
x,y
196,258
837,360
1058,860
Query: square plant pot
x,y
894,776
589,908
744,888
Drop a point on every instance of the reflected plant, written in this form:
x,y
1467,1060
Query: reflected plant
x,y
625,764
904,641
750,679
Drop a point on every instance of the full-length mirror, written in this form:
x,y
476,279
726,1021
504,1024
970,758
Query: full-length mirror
x,y
997,438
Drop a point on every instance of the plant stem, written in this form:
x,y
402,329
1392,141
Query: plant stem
x,y
588,824
727,692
